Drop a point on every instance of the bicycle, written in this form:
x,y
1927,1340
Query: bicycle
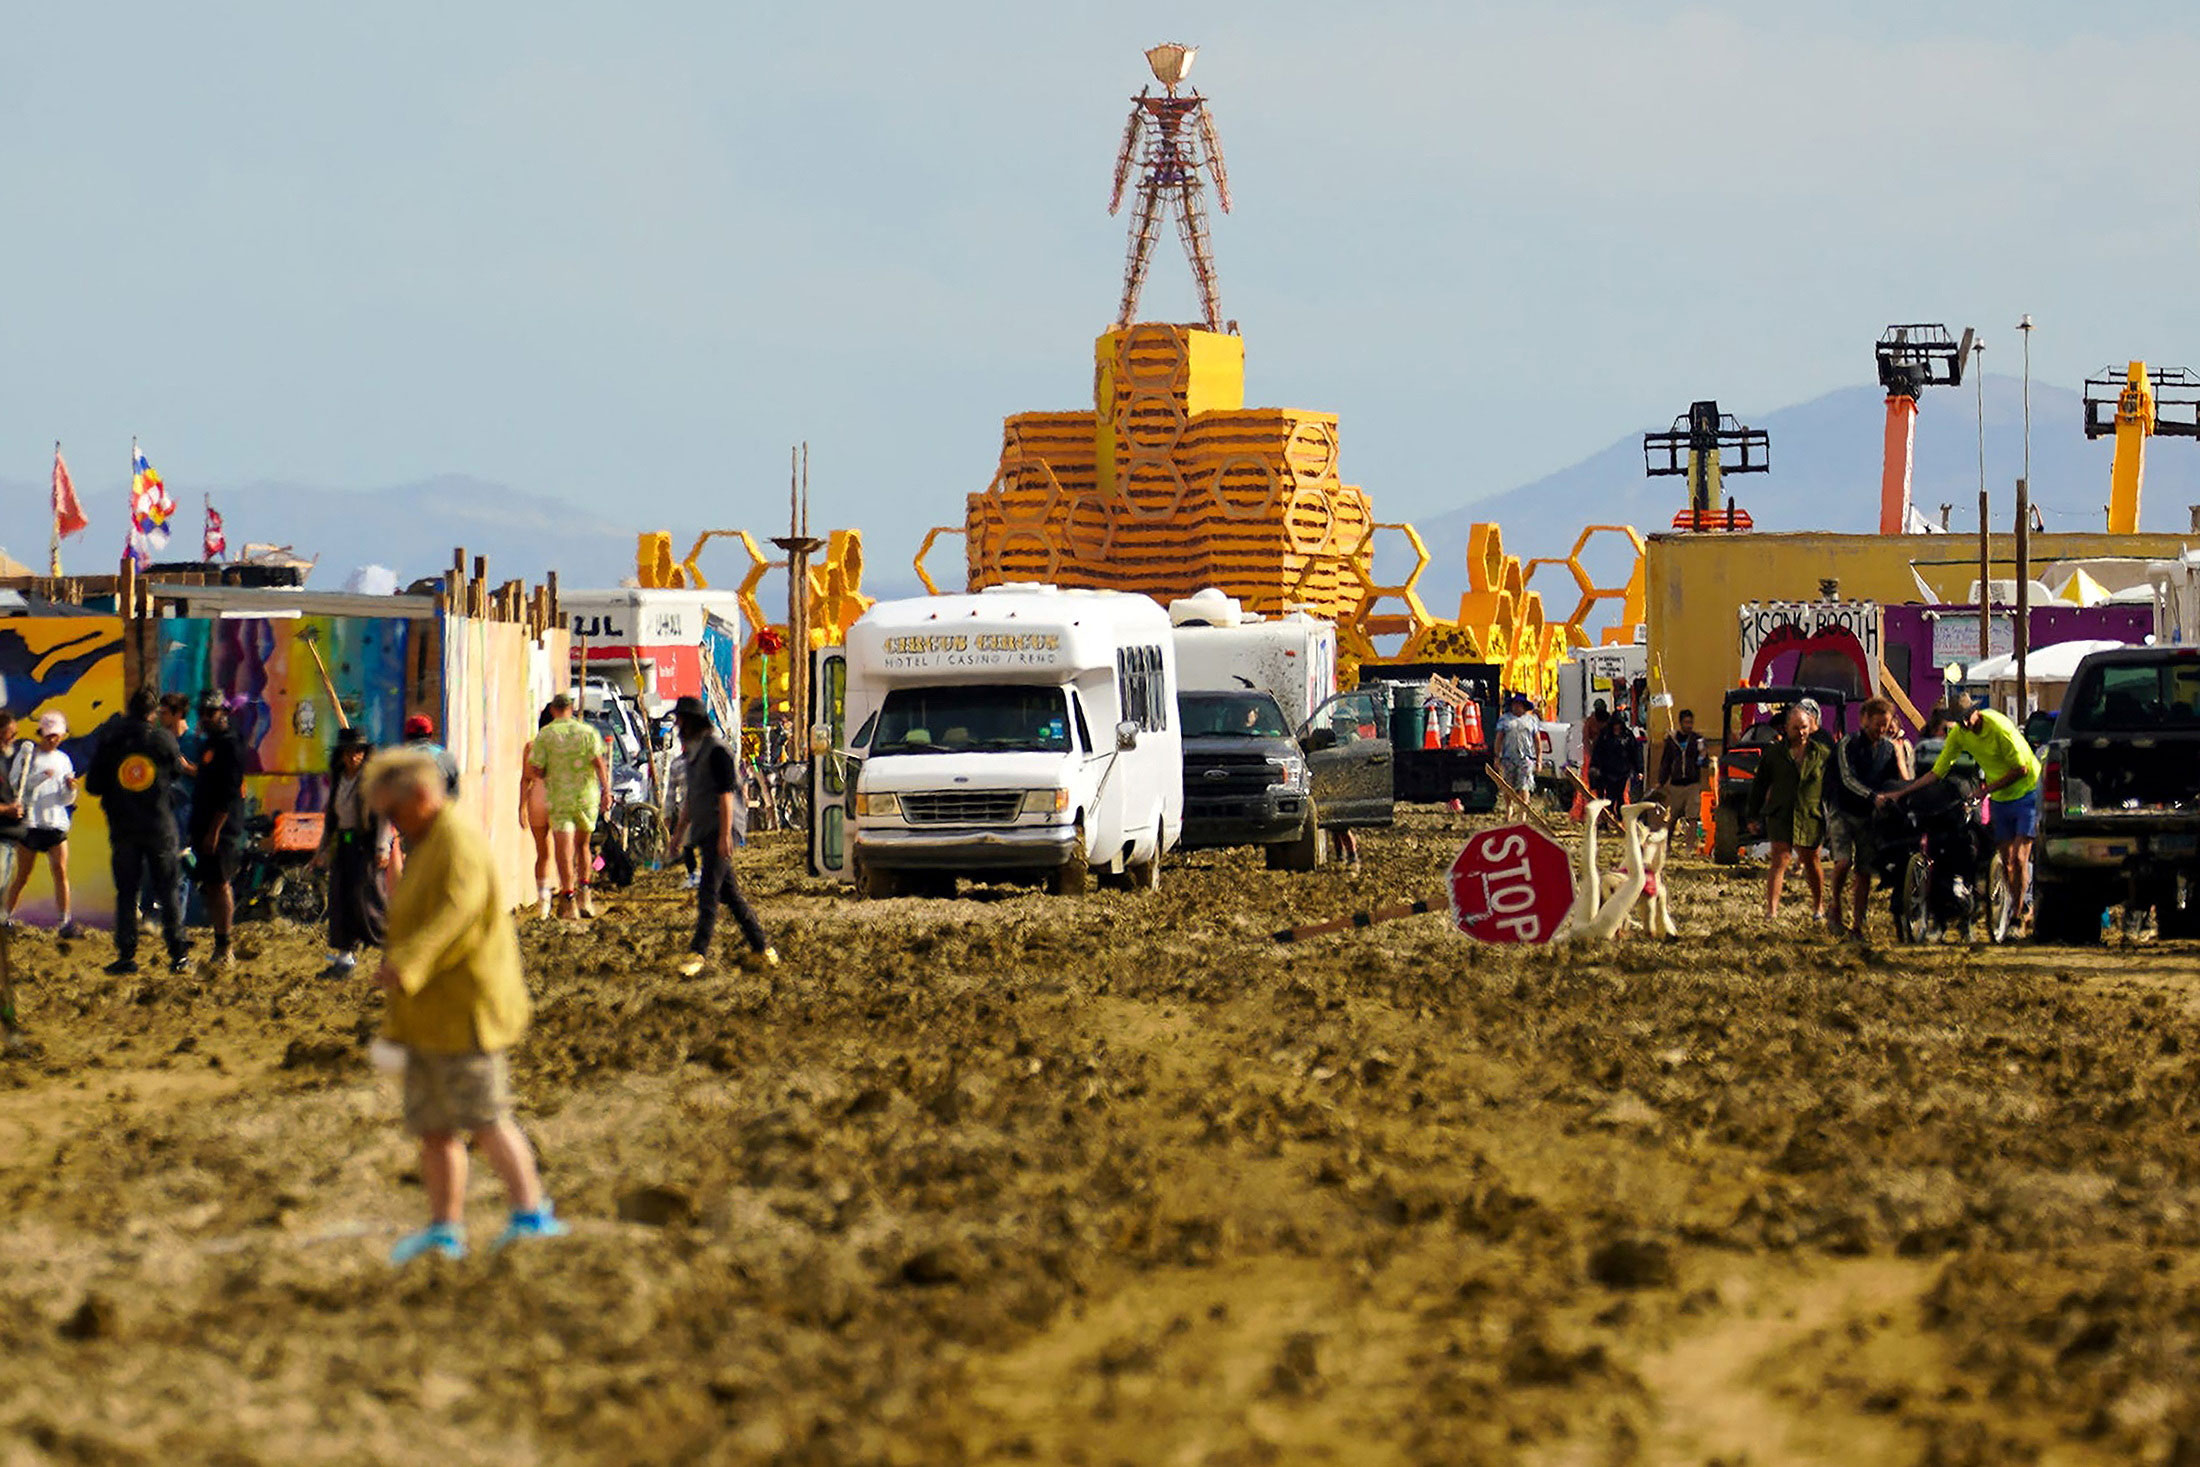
x,y
275,874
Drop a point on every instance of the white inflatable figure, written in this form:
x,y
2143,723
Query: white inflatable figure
x,y
1604,901
1647,838
1589,889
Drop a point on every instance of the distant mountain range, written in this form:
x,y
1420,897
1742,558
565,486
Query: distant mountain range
x,y
1825,475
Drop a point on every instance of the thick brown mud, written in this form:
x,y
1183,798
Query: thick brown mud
x,y
1119,1180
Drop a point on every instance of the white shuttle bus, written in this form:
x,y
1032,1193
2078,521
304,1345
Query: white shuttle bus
x,y
1021,732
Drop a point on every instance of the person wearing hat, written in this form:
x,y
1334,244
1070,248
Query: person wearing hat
x,y
133,773
420,734
1519,743
576,774
43,781
713,815
355,850
217,819
2011,772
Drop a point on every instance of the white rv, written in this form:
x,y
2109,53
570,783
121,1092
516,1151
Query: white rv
x,y
1024,731
1221,646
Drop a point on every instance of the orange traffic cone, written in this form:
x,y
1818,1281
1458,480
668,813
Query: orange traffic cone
x,y
1429,737
1466,728
1707,816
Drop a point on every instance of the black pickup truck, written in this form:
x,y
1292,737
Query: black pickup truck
x,y
2120,797
1246,781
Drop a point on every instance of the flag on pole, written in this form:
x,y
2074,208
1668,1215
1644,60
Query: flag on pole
x,y
151,509
216,544
68,513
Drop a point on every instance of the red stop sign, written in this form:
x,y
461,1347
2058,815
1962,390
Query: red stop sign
x,y
1511,884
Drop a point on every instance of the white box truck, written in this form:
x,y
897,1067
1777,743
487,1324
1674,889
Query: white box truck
x,y
1022,732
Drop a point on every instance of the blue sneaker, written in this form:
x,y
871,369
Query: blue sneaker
x,y
541,1223
444,1238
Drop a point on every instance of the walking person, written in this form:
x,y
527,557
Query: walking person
x,y
457,1003
534,815
1614,760
1866,765
45,786
12,828
713,815
2011,771
1787,800
1681,770
420,734
133,773
1520,744
173,713
217,820
355,851
576,775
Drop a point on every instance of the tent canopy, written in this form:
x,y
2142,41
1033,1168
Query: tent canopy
x,y
2053,663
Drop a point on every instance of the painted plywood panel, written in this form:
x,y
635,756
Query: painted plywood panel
x,y
71,665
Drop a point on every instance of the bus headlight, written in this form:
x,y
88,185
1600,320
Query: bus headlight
x,y
1045,802
873,805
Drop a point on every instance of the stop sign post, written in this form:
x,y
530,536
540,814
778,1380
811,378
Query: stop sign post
x,y
1511,884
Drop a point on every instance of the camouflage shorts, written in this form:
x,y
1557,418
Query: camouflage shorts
x,y
455,1092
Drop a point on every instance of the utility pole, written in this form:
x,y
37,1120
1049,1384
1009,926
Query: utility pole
x,y
1985,516
799,547
2023,628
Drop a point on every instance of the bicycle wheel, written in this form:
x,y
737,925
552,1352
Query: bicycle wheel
x,y
793,798
644,829
301,895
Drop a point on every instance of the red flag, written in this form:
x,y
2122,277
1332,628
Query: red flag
x,y
216,544
68,515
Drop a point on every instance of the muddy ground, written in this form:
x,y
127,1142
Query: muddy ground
x,y
1118,1180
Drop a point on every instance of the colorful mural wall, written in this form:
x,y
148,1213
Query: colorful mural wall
x,y
71,665
280,705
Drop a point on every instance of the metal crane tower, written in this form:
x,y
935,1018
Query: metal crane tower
x,y
1169,139
2161,402
1911,358
1698,445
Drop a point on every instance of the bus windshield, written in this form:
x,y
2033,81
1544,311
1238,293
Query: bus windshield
x,y
965,719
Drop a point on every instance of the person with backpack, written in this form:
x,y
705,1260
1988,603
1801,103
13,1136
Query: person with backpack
x,y
133,774
713,815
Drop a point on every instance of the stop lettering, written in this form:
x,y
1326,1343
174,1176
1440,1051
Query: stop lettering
x,y
1511,884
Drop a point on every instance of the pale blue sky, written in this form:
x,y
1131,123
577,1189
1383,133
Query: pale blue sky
x,y
628,253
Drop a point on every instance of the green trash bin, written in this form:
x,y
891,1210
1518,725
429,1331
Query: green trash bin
x,y
1408,716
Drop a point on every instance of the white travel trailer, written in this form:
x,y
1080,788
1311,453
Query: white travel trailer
x,y
1220,646
1024,731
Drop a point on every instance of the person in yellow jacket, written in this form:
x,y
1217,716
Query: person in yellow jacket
x,y
450,968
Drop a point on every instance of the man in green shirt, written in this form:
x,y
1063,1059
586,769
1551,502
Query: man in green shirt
x,y
2012,774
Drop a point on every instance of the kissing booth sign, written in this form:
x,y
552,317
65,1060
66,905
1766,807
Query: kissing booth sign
x,y
1824,635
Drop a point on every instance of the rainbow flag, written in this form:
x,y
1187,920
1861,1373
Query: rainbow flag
x,y
151,508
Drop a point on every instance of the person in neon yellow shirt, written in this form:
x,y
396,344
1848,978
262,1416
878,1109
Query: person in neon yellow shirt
x,y
2012,773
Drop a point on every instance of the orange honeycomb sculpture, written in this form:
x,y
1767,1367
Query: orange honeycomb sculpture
x,y
835,592
1627,599
1171,484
